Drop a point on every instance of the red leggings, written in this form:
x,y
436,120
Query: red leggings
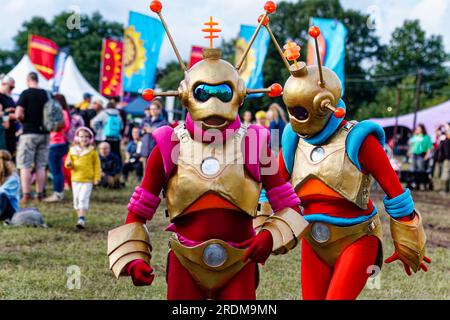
x,y
348,277
181,286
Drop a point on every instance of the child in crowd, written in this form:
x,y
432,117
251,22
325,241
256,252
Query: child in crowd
x,y
84,162
9,187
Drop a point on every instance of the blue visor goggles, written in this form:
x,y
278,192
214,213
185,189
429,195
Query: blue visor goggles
x,y
223,92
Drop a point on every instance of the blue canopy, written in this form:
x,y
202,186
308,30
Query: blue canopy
x,y
137,107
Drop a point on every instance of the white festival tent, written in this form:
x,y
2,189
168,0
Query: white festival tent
x,y
19,74
73,84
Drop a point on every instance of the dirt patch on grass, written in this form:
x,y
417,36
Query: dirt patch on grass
x,y
437,236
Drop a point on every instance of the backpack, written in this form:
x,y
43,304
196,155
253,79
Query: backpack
x,y
29,217
53,119
112,127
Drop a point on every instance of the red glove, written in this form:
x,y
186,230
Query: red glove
x,y
141,273
396,257
259,247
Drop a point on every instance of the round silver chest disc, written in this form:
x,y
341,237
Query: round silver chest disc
x,y
320,232
215,255
317,154
210,166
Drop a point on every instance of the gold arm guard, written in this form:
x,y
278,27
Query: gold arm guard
x,y
409,240
126,244
262,216
287,227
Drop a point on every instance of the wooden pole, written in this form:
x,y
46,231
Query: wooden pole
x,y
397,113
418,91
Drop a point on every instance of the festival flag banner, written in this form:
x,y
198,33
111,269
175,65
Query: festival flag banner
x,y
111,68
196,56
59,68
42,53
331,46
252,69
142,40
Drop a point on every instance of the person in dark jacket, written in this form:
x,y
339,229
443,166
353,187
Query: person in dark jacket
x,y
151,122
111,167
444,158
132,156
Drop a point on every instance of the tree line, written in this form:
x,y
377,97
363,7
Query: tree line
x,y
375,72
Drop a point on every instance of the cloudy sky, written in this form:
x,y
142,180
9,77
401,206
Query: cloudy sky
x,y
185,18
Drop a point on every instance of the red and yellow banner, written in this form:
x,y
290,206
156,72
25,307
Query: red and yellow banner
x,y
111,72
42,53
196,55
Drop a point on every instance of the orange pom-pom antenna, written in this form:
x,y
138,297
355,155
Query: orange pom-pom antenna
x,y
211,30
276,90
156,6
148,95
292,52
314,32
339,113
266,20
270,7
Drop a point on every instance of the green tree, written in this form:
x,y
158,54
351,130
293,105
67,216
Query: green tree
x,y
85,43
291,21
6,61
169,77
409,51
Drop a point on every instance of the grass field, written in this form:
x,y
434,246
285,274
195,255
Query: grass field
x,y
34,262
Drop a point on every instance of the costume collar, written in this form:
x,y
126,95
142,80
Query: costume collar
x,y
210,135
331,127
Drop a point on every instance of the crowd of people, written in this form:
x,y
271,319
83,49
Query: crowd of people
x,y
97,145
83,152
430,162
441,159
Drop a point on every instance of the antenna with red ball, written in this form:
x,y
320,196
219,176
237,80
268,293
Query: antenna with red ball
x,y
150,94
314,32
156,7
270,7
338,112
265,22
273,91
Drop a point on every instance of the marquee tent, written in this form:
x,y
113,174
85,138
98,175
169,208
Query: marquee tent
x,y
73,84
432,118
19,74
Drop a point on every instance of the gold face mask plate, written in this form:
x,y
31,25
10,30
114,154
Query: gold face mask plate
x,y
305,92
212,71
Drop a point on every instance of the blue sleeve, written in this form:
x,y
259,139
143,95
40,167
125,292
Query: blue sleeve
x,y
401,206
289,141
129,148
357,136
11,188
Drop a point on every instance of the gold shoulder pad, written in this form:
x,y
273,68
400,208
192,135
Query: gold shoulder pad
x,y
287,227
409,240
128,243
262,216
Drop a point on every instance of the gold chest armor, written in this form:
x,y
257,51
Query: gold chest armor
x,y
217,168
330,164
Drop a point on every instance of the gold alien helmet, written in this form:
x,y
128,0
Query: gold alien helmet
x,y
312,93
212,89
